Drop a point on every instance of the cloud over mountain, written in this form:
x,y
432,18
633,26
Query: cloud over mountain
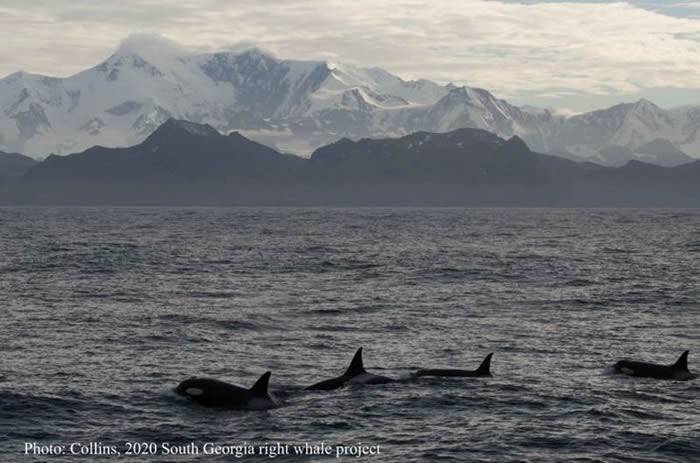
x,y
552,51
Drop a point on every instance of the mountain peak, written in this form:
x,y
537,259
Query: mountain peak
x,y
645,105
261,58
113,66
149,47
17,75
469,93
255,52
516,145
192,128
148,53
177,128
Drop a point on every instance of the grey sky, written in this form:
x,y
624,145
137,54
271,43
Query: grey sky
x,y
569,54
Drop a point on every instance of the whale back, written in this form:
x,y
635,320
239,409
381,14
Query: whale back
x,y
356,367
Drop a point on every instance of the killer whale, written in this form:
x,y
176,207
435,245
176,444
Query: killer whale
x,y
483,370
215,393
677,371
355,374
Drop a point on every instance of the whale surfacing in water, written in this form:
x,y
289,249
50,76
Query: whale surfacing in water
x,y
355,374
215,393
483,370
677,371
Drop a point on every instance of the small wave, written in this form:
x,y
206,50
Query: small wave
x,y
693,246
236,324
320,346
17,406
337,328
611,250
332,425
212,294
349,264
450,273
396,327
680,446
647,397
317,248
642,414
329,312
179,318
227,324
580,282
603,412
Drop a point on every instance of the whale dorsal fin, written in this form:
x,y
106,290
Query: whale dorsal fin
x,y
682,362
356,367
260,386
485,367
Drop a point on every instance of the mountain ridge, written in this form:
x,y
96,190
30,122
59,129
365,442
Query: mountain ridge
x,y
297,106
184,163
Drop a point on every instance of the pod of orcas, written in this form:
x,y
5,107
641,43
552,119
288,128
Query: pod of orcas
x,y
215,393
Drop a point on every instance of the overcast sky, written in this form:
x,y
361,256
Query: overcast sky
x,y
567,54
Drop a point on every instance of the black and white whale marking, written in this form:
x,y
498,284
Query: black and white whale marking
x,y
355,374
483,370
215,393
678,371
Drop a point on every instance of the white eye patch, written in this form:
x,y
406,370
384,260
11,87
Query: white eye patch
x,y
195,391
627,371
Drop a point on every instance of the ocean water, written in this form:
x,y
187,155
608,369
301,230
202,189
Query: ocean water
x,y
105,311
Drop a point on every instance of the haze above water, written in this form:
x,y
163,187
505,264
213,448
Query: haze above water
x,y
104,311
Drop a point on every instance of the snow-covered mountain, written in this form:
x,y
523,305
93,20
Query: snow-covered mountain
x,y
298,106
640,130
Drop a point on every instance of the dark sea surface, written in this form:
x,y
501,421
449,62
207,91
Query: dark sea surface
x,y
105,311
